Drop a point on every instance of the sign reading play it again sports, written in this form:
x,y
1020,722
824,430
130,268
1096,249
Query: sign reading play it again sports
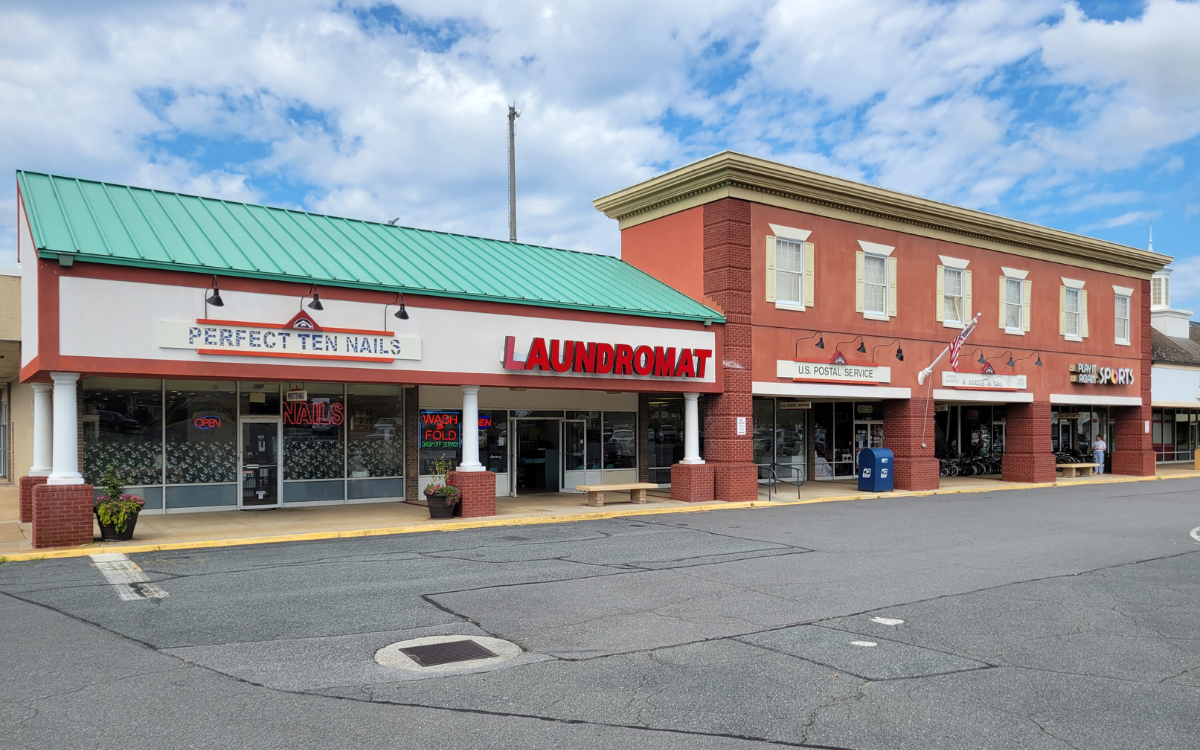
x,y
983,381
299,338
830,372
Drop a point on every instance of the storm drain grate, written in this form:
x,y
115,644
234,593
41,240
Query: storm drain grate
x,y
436,654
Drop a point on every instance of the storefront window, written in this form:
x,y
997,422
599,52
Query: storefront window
x,y
201,432
620,440
665,434
440,433
374,431
312,432
843,435
823,440
764,431
259,399
789,437
122,427
493,440
594,445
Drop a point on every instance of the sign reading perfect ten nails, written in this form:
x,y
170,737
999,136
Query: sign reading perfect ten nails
x,y
606,359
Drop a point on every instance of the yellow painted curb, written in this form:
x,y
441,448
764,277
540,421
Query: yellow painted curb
x,y
491,522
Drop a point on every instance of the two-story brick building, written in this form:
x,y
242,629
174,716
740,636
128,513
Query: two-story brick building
x,y
837,295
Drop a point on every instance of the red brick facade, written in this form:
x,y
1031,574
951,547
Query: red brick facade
x,y
1133,448
727,264
25,496
692,483
1027,454
62,515
908,431
478,492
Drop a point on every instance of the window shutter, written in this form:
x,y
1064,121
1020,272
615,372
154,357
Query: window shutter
x,y
941,294
1062,311
891,266
810,263
966,297
1083,328
770,268
1003,299
859,291
1026,296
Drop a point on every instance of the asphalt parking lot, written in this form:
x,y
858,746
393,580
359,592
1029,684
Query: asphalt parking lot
x,y
1058,618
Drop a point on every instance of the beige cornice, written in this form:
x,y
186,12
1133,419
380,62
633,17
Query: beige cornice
x,y
733,175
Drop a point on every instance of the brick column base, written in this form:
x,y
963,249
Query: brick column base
x,y
25,495
1132,451
62,515
735,482
478,492
692,483
1027,453
907,423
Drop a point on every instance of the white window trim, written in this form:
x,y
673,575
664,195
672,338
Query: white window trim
x,y
798,307
1072,283
949,262
868,314
1010,273
871,248
790,233
1120,292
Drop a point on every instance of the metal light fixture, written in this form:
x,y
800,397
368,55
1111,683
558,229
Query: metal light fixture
x,y
982,359
215,299
862,344
1012,362
820,337
402,314
899,349
316,299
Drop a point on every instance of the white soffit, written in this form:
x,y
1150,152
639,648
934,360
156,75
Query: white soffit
x,y
875,248
1081,399
953,262
987,397
790,233
1013,273
824,390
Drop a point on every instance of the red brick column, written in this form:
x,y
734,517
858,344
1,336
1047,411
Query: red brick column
x,y
727,282
1028,456
692,483
478,492
916,467
1133,447
62,515
25,496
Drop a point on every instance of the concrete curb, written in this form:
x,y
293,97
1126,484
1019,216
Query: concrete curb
x,y
483,523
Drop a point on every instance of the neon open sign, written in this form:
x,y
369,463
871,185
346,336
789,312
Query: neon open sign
x,y
207,422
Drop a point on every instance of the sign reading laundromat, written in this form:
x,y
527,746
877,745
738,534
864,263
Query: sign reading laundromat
x,y
299,338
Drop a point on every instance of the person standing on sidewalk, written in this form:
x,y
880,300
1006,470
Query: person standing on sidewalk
x,y
1098,448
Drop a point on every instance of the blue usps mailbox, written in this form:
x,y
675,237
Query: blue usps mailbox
x,y
875,469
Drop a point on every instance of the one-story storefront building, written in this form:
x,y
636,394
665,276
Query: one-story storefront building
x,y
1175,348
223,356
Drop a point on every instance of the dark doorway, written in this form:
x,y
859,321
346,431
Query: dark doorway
x,y
538,458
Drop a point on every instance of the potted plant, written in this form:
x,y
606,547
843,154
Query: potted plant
x,y
441,495
116,511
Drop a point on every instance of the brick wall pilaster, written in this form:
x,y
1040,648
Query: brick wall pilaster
x,y
727,282
692,483
25,496
62,515
478,492
412,442
1028,456
1133,447
916,467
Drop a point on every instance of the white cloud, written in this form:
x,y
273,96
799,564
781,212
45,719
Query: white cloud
x,y
1124,220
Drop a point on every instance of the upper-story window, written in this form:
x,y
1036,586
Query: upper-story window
x,y
1012,304
875,278
1121,325
952,295
789,271
1160,292
1074,312
1016,291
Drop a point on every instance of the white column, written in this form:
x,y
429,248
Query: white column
x,y
42,431
691,429
470,430
66,430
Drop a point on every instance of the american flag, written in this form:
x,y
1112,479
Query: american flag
x,y
957,343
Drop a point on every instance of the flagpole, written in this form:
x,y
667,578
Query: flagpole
x,y
929,370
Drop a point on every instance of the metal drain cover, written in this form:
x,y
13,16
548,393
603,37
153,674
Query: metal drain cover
x,y
437,654
446,654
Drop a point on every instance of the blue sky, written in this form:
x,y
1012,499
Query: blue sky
x,y
1081,116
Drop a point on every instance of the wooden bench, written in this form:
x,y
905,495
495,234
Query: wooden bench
x,y
595,492
1072,470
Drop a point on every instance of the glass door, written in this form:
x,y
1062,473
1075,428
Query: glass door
x,y
261,439
574,454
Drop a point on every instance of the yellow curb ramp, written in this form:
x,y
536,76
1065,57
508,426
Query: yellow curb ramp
x,y
493,522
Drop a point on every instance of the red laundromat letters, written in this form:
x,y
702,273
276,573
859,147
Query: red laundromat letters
x,y
602,359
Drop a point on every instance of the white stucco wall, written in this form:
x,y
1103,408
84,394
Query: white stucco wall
x,y
1175,386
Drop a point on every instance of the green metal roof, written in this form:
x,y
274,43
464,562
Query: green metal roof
x,y
104,223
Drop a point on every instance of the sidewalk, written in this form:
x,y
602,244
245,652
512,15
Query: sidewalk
x,y
230,528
